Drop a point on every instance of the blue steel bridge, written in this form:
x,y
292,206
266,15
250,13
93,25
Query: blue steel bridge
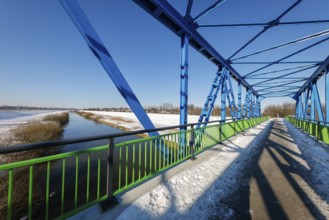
x,y
288,68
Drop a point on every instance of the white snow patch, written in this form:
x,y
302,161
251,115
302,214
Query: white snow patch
x,y
8,124
194,193
130,121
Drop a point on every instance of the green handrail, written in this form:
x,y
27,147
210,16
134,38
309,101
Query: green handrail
x,y
134,162
316,129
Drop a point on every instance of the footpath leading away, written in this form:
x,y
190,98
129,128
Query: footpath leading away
x,y
285,180
271,171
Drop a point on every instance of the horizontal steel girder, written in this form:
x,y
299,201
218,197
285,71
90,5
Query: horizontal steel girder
x,y
168,15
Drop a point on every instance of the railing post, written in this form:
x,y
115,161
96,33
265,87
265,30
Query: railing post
x,y
318,131
111,201
234,126
192,139
220,131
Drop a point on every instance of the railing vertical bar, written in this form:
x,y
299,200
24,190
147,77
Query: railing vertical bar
x,y
120,166
88,178
98,175
160,153
156,154
47,190
133,168
176,149
63,186
76,181
10,194
145,156
127,153
30,192
163,155
151,146
139,160
171,148
186,145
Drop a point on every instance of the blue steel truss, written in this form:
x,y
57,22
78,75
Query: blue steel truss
x,y
293,81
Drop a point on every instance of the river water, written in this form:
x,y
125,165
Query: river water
x,y
78,127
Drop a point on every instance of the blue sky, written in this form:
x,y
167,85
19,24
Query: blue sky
x,y
45,62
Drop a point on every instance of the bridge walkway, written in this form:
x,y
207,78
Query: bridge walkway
x,y
267,172
279,184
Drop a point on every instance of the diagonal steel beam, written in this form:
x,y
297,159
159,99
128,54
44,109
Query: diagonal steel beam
x,y
276,62
286,69
290,55
95,44
262,24
209,9
318,73
171,18
287,82
270,25
289,43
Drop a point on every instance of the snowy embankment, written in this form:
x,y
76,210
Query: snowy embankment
x,y
194,193
7,124
129,121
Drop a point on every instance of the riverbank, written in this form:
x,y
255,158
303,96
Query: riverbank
x,y
18,121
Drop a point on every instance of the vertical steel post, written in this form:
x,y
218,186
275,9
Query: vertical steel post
x,y
111,199
223,100
304,106
239,100
184,81
312,104
317,102
246,106
183,90
258,112
327,97
296,107
192,142
249,109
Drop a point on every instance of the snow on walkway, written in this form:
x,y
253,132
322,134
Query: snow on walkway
x,y
194,193
316,156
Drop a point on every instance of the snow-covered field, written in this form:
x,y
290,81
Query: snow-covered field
x,y
9,123
130,122
194,193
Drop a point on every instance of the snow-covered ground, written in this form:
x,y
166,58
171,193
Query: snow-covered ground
x,y
194,193
130,122
9,123
316,156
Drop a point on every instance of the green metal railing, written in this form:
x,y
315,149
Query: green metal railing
x,y
61,185
318,129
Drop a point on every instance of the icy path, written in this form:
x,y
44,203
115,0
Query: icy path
x,y
194,193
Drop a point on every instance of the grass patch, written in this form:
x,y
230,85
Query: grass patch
x,y
62,118
48,128
37,132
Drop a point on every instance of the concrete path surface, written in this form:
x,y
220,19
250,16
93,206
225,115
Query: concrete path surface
x,y
276,185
